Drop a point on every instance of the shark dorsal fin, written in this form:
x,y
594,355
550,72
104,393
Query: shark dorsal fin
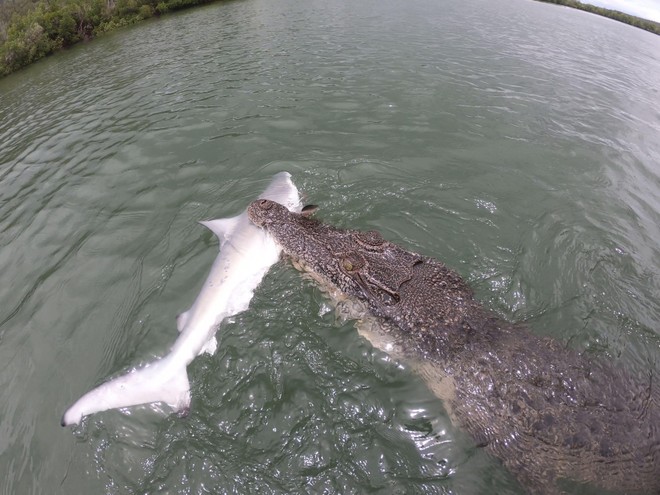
x,y
222,227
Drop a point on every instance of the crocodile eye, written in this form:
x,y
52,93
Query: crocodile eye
x,y
352,263
265,204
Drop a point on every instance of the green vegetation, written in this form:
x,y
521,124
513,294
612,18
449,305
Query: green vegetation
x,y
651,26
32,29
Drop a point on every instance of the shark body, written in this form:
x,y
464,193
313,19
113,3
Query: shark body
x,y
246,254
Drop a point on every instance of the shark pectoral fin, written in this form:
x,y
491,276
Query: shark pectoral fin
x,y
222,227
181,320
159,381
210,347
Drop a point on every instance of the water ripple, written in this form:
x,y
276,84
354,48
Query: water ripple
x,y
460,130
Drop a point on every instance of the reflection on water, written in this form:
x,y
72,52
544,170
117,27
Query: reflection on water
x,y
460,130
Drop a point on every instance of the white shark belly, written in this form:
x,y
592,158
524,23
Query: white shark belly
x,y
246,254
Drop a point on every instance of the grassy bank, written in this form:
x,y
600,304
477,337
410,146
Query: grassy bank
x,y
32,29
645,24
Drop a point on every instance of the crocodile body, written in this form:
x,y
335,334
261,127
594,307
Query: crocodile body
x,y
545,411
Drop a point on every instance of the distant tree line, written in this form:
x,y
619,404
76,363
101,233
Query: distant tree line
x,y
651,26
32,29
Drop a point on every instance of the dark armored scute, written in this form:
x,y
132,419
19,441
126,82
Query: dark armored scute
x,y
545,411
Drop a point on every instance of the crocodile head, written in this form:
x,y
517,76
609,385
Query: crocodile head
x,y
359,263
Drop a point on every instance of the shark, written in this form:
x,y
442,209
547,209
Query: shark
x,y
246,254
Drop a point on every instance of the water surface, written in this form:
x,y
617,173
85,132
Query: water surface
x,y
515,141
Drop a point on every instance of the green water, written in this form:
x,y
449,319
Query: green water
x,y
518,142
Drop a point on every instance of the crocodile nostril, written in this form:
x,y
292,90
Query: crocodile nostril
x,y
265,204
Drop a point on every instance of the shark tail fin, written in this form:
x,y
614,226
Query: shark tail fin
x,y
159,381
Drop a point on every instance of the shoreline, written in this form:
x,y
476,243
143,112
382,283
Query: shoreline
x,y
631,20
32,31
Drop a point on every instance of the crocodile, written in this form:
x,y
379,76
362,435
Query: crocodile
x,y
548,413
